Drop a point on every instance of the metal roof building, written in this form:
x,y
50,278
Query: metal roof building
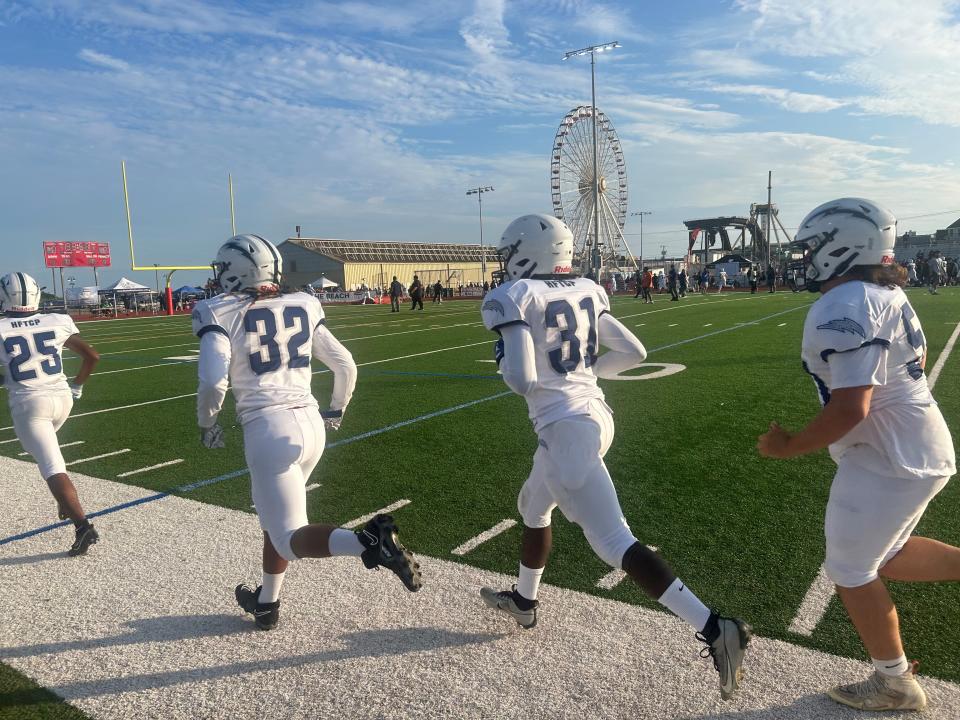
x,y
351,263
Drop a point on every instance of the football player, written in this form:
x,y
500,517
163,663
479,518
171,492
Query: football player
x,y
551,326
262,338
38,391
865,350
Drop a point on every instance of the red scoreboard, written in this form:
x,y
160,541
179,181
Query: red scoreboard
x,y
58,254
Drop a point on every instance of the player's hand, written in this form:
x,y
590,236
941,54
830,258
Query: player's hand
x,y
774,443
76,390
212,437
498,350
332,419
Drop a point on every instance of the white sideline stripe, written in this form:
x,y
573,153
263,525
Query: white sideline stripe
x,y
364,519
941,361
615,576
500,527
815,603
97,457
69,444
128,473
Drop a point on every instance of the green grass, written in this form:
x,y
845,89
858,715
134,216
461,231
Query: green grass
x,y
744,532
23,699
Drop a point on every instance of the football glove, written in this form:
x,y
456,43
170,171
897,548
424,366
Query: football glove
x,y
498,351
212,437
332,419
76,391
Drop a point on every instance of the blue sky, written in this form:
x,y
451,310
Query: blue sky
x,y
369,120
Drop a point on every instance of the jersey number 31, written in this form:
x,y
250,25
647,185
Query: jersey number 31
x,y
567,357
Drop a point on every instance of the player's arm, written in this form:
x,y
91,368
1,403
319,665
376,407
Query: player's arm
x,y
518,363
88,358
854,375
213,373
331,352
624,349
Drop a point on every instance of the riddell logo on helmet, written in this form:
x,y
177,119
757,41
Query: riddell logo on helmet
x,y
887,260
562,269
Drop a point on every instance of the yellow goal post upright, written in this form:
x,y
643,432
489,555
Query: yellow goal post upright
x,y
169,269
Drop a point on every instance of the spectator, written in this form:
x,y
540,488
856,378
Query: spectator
x,y
437,292
672,283
771,279
416,293
682,278
721,280
638,279
752,279
396,292
704,281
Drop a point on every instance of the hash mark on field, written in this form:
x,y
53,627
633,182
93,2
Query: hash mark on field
x,y
814,605
364,519
615,576
312,486
673,324
708,324
150,467
4,442
69,444
781,324
470,544
97,457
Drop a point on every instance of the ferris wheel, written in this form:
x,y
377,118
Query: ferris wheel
x,y
571,182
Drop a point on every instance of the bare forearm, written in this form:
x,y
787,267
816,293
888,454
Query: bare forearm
x,y
86,368
833,422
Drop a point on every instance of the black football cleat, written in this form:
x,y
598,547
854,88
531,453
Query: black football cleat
x,y
383,549
265,615
85,537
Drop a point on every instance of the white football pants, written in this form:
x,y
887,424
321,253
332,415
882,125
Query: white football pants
x,y
569,473
869,519
282,449
36,421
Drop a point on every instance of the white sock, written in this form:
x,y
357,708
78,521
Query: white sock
x,y
528,581
897,666
679,600
270,590
345,542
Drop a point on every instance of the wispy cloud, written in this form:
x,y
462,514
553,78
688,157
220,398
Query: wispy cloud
x,y
95,58
787,99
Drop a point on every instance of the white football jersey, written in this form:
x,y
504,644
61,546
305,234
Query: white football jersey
x,y
270,342
563,317
31,349
861,334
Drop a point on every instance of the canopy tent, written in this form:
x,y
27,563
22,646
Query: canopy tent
x,y
323,283
733,258
123,285
188,290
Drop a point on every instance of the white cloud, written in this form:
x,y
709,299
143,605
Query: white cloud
x,y
484,31
95,58
905,55
729,62
787,99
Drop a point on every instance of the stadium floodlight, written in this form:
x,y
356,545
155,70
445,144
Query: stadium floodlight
x,y
640,214
479,191
592,52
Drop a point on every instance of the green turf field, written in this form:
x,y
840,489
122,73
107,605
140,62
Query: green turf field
x,y
745,533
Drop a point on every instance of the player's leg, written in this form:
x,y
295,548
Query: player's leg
x,y
36,422
586,495
868,523
536,505
924,560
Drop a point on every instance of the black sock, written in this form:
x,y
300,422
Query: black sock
x,y
522,602
82,525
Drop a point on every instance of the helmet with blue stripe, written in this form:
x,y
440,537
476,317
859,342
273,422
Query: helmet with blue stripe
x,y
248,263
19,293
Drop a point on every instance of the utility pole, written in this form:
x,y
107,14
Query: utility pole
x,y
640,214
769,211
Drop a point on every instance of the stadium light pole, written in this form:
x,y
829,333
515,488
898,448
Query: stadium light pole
x,y
592,51
640,214
479,191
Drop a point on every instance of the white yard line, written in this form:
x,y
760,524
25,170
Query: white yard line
x,y
63,445
941,361
500,527
364,519
611,579
168,463
98,457
817,599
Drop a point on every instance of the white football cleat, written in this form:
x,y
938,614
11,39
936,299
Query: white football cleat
x,y
882,692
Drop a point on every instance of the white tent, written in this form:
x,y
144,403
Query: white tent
x,y
323,283
124,285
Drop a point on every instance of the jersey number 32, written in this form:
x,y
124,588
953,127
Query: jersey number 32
x,y
263,322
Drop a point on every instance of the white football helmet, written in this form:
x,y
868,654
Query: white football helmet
x,y
19,293
536,245
842,234
248,263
